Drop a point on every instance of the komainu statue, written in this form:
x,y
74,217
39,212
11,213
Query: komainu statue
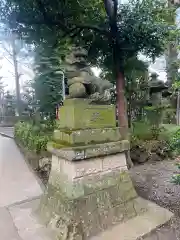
x,y
82,82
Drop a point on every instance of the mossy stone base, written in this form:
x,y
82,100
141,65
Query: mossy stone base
x,y
79,114
82,216
73,153
87,136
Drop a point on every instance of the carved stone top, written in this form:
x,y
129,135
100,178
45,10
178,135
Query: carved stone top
x,y
156,85
82,82
77,56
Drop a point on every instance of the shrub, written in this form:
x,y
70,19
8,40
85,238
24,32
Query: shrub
x,y
169,116
150,142
141,130
151,150
33,137
176,177
175,142
154,114
145,131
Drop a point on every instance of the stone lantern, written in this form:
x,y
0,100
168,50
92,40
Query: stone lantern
x,y
157,90
175,2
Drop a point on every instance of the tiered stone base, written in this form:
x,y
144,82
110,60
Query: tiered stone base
x,y
85,198
89,188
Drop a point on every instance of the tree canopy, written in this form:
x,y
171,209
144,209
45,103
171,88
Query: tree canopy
x,y
48,80
113,33
86,22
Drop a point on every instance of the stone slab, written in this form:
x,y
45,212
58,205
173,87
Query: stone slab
x,y
137,227
162,234
27,224
7,227
88,151
79,169
87,136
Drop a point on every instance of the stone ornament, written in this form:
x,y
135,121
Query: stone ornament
x,y
82,82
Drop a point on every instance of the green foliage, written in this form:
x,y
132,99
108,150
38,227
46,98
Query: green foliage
x,y
171,128
139,30
175,142
169,116
140,27
149,143
48,81
137,88
9,104
143,130
33,137
176,177
154,114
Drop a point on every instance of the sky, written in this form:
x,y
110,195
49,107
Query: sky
x,y
7,73
6,67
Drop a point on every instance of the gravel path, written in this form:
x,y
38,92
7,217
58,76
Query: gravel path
x,y
153,182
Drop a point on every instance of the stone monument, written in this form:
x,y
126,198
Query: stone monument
x,y
89,189
157,89
81,80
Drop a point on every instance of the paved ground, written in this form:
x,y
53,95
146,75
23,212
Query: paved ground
x,y
7,131
19,196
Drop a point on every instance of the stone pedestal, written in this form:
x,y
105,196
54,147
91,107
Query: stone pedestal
x,y
79,114
89,188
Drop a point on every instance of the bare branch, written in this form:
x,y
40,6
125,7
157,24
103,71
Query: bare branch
x,y
8,60
7,50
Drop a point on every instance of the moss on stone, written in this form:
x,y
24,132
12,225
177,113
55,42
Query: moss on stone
x,y
67,144
85,115
69,130
60,144
80,152
102,207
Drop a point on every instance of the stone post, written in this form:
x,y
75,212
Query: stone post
x,y
89,188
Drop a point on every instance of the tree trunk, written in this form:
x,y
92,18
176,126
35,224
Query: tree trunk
x,y
14,56
122,112
121,102
171,65
111,7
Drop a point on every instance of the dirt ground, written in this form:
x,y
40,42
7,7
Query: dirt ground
x,y
153,182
